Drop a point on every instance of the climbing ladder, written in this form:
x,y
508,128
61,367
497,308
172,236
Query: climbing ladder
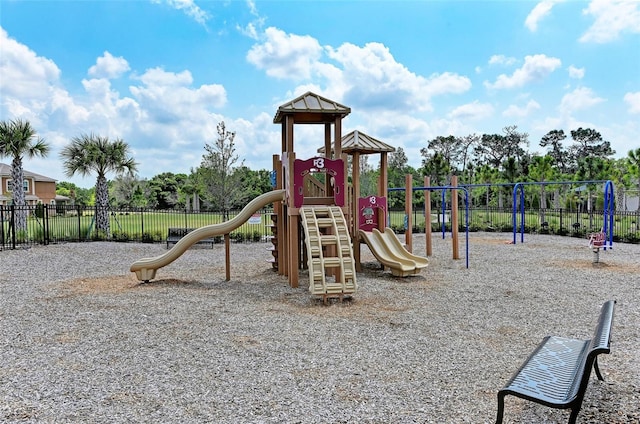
x,y
328,246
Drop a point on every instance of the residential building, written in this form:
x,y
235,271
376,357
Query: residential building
x,y
37,188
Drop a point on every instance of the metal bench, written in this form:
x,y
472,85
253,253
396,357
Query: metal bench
x,y
175,234
557,373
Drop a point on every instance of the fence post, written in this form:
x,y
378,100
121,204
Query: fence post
x,y
1,227
78,215
45,217
142,223
12,226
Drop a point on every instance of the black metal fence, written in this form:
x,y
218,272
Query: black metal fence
x,y
562,222
60,224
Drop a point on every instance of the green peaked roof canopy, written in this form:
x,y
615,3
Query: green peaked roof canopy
x,y
311,108
360,142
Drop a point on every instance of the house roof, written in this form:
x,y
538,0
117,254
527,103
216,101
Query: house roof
x,y
360,142
5,170
311,108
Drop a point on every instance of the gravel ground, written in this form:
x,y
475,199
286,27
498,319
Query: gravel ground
x,y
81,340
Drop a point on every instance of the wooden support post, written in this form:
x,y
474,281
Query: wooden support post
x,y
227,256
292,247
454,218
278,210
408,210
355,213
427,216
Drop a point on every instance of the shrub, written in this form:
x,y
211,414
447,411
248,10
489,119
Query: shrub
x,y
631,238
147,237
121,236
99,235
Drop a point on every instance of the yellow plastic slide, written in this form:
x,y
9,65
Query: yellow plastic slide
x,y
399,250
145,268
399,264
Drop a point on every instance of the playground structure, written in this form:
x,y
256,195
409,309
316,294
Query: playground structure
x,y
316,225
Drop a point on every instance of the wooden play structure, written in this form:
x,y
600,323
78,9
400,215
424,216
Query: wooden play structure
x,y
318,219
318,225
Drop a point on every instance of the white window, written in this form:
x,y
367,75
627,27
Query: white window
x,y
25,186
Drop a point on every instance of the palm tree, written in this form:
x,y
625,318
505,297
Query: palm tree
x,y
92,153
17,140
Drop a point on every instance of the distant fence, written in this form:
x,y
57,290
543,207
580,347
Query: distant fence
x,y
63,224
562,222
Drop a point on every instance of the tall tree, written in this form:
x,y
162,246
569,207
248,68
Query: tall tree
x,y
217,171
553,140
589,143
165,190
467,144
494,149
89,153
18,139
437,169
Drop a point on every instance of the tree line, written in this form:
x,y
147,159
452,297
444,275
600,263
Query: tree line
x,y
222,182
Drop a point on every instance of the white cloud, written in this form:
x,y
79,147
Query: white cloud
x,y
252,29
633,100
27,79
612,17
576,73
365,77
540,10
500,59
168,97
372,78
189,7
514,111
578,99
108,66
285,56
535,68
474,111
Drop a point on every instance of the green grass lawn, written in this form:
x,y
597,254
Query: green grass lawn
x,y
153,226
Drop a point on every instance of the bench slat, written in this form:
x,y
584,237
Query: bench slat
x,y
548,374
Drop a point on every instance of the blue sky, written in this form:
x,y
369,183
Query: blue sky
x,y
161,74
